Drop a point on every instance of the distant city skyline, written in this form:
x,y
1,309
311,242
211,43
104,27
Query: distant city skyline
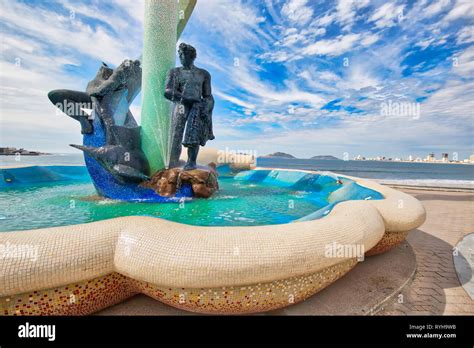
x,y
333,77
430,157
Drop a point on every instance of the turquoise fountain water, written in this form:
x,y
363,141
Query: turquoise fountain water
x,y
47,196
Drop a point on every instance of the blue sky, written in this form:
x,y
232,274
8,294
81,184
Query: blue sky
x,y
297,76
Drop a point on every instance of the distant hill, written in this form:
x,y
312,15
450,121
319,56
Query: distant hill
x,y
280,155
325,157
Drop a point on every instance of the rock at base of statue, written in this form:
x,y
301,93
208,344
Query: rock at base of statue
x,y
166,181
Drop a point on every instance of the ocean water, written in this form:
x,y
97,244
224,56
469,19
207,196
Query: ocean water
x,y
76,159
403,173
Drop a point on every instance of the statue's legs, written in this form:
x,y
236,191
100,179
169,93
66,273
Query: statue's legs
x,y
71,102
178,124
192,157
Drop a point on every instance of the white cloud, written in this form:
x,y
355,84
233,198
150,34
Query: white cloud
x,y
268,97
325,20
93,11
328,76
369,39
462,9
292,39
136,111
135,8
442,115
347,11
436,7
320,81
334,47
425,43
362,135
386,15
66,32
465,64
27,116
12,43
232,20
297,11
279,56
234,100
466,35
358,77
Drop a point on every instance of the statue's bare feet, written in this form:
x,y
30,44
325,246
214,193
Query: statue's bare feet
x,y
190,166
173,164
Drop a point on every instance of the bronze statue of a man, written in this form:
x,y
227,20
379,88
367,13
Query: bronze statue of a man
x,y
189,87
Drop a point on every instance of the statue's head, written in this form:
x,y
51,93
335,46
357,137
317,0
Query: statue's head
x,y
129,64
105,71
187,54
132,63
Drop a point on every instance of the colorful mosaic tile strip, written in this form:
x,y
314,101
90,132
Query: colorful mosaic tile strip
x,y
96,294
388,241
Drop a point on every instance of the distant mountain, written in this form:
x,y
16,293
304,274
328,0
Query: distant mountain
x,y
13,151
325,157
280,155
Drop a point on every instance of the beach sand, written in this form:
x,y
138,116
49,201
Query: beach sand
x,y
435,288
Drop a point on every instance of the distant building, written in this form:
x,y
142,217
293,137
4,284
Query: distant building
x,y
8,150
471,158
445,157
431,157
410,158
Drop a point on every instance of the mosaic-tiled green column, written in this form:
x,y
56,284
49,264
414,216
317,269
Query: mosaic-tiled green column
x,y
164,22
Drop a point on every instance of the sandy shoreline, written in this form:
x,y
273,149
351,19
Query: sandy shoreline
x,y
407,188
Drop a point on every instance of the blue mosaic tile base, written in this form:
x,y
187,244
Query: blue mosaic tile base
x,y
109,187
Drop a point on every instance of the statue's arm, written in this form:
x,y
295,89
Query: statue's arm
x,y
207,92
206,88
171,92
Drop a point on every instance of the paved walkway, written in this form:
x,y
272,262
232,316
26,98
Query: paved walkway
x,y
435,288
